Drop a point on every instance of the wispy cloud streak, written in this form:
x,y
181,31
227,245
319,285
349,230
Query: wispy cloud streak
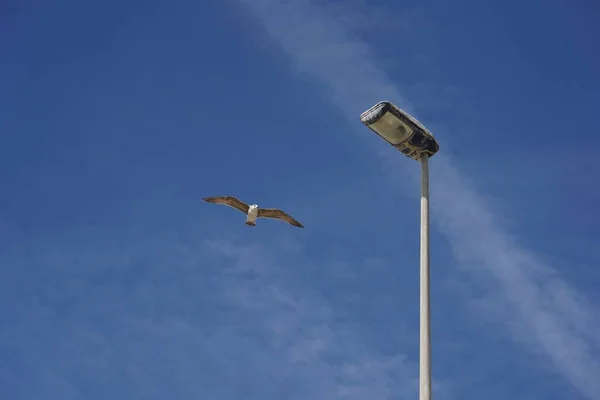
x,y
300,324
549,313
165,317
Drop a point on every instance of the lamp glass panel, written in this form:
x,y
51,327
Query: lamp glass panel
x,y
392,129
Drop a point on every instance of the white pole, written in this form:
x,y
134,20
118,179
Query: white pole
x,y
425,331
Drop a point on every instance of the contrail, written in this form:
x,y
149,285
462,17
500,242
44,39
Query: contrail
x,y
550,315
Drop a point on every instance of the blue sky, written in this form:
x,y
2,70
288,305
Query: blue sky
x,y
117,282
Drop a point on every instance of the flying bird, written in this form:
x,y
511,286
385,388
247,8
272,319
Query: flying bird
x,y
253,212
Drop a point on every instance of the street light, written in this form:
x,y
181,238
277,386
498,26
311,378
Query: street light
x,y
410,137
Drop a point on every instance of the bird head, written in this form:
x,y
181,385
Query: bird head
x,y
254,206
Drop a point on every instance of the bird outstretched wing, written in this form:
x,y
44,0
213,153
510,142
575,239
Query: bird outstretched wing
x,y
229,201
278,214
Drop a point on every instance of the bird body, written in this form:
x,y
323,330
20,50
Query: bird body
x,y
253,212
252,215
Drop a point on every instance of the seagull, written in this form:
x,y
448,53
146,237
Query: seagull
x,y
253,211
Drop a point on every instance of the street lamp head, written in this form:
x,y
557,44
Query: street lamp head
x,y
400,129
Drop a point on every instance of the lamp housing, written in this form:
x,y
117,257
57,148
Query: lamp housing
x,y
400,129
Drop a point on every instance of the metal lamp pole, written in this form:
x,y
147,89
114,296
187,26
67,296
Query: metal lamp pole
x,y
424,314
410,137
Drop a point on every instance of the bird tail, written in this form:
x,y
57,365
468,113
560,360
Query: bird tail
x,y
250,223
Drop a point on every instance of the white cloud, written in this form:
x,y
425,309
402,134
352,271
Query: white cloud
x,y
547,312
